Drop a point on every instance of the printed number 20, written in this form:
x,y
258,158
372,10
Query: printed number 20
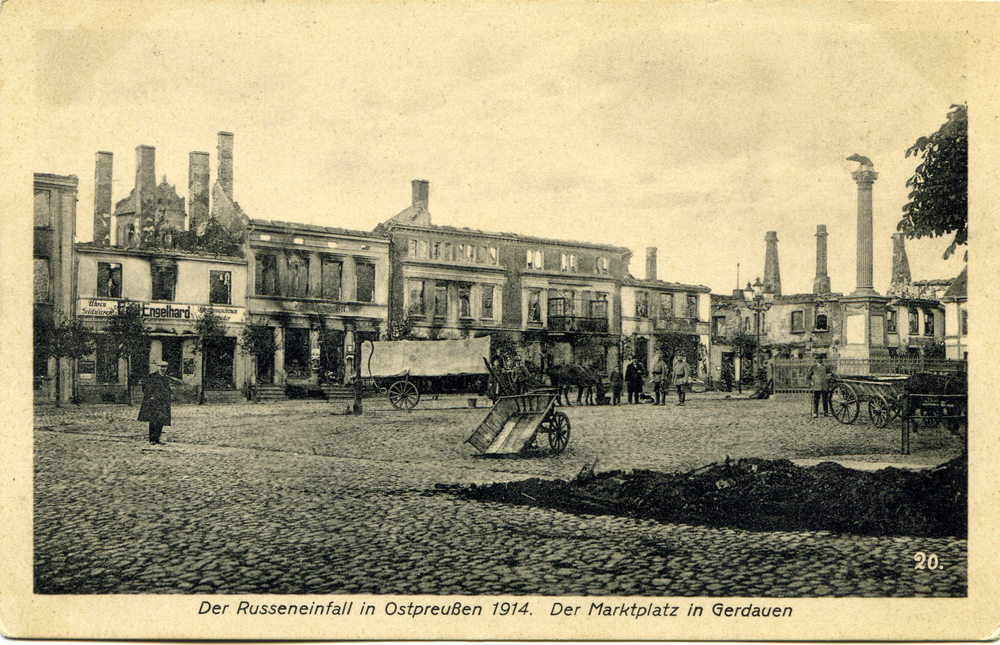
x,y
926,561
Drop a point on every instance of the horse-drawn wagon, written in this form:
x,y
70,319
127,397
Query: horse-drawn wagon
x,y
400,369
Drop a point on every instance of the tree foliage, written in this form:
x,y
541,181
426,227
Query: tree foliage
x,y
127,336
939,187
66,339
256,339
207,328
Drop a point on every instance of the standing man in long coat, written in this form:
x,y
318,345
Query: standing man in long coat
x,y
633,381
660,377
820,378
156,397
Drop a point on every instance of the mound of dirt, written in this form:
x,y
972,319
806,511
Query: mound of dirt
x,y
761,495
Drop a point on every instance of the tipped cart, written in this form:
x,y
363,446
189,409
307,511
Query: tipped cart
x,y
514,423
881,392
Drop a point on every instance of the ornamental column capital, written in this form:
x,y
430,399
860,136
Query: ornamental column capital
x,y
864,175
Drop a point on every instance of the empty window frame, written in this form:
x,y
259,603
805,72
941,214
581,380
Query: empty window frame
x,y
798,322
666,305
43,281
692,306
599,307
821,322
220,287
415,306
534,306
535,260
366,281
486,303
928,322
43,212
109,280
601,265
464,300
266,274
333,276
914,323
164,281
890,321
641,304
440,299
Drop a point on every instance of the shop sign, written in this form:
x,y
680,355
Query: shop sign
x,y
155,311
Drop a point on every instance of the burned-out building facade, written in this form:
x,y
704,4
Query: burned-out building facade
x,y
318,290
146,257
558,301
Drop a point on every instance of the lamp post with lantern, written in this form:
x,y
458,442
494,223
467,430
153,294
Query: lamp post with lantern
x,y
758,302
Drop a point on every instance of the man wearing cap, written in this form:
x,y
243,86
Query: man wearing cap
x,y
156,395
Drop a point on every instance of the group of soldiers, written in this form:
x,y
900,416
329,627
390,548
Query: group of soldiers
x,y
514,377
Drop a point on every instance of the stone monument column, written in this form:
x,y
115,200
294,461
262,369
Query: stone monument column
x,y
865,176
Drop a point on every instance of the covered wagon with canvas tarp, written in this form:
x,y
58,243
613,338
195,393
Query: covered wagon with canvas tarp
x,y
401,369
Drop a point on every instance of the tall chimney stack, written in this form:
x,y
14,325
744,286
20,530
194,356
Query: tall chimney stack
x,y
145,192
198,190
900,264
821,283
772,275
102,198
651,263
226,163
421,193
865,177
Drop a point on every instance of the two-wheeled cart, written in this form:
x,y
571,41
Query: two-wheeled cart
x,y
881,392
514,423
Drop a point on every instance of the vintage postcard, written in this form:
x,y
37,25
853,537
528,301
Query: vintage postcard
x,y
499,321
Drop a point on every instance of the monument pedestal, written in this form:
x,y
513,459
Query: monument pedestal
x,y
864,329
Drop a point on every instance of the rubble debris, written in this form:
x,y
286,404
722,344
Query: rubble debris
x,y
762,495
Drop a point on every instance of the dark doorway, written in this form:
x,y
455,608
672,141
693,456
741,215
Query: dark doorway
x,y
219,364
172,351
297,353
331,346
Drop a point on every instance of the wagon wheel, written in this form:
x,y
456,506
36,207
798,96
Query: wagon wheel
x,y
404,395
845,403
557,427
879,411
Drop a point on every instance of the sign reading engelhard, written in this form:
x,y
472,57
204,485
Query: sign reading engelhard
x,y
156,310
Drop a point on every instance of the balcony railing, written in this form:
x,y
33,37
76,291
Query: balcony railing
x,y
578,323
678,325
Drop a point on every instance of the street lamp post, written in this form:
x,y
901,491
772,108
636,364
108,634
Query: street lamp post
x,y
758,303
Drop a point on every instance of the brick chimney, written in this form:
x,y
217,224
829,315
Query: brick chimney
x,y
102,198
421,193
651,263
772,275
198,190
900,264
226,163
821,283
145,192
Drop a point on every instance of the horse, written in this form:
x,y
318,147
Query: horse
x,y
564,377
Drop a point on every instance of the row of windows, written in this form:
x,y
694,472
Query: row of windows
x,y
565,304
426,292
913,322
163,276
664,305
446,251
535,259
267,280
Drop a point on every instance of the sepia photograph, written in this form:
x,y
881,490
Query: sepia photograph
x,y
499,321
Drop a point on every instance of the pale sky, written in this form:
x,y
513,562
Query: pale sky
x,y
695,128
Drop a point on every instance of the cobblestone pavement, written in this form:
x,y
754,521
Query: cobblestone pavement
x,y
289,498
